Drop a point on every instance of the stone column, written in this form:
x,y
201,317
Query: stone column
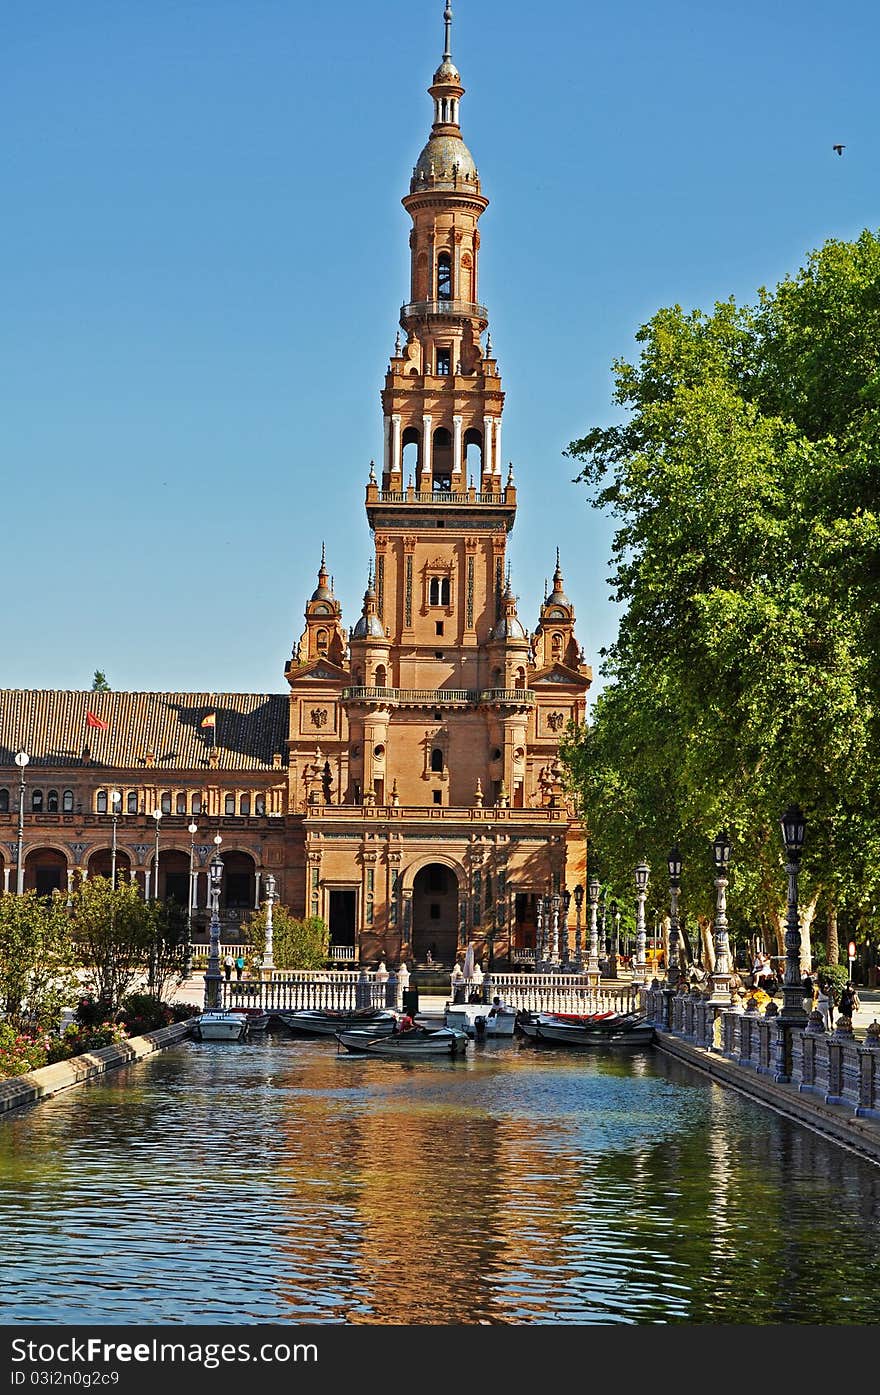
x,y
257,876
457,461
488,433
496,449
427,455
386,453
396,462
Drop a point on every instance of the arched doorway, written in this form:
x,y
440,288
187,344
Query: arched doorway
x,y
435,914
239,881
101,864
45,871
174,877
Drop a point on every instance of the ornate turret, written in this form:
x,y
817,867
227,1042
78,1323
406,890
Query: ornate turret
x,y
369,644
323,636
554,638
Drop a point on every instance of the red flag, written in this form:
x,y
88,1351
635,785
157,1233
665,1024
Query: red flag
x,y
210,721
93,721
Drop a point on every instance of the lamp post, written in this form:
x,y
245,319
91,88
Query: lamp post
x,y
115,801
212,973
268,961
593,955
603,919
578,907
539,931
157,815
615,939
566,902
673,862
640,968
192,829
719,981
794,827
21,760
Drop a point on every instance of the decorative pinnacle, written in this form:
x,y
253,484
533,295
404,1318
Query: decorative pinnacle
x,y
557,559
322,555
372,478
447,20
397,344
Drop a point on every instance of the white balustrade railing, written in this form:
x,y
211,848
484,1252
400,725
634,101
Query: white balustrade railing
x,y
297,989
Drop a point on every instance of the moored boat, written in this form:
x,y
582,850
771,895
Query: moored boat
x,y
220,1026
597,1029
326,1022
477,1020
419,1041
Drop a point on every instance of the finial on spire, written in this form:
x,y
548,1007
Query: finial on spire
x,y
489,343
447,20
372,477
557,559
370,576
546,589
397,344
322,554
510,472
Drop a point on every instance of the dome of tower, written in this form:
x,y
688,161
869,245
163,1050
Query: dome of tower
x,y
509,627
368,627
322,592
439,156
447,72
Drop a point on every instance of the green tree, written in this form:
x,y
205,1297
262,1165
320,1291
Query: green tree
x,y
168,951
114,932
99,682
296,944
745,672
36,981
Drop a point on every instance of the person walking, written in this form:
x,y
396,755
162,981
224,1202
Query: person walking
x,y
849,1001
239,966
228,966
823,1004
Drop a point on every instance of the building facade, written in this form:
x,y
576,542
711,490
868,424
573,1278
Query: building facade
x,y
407,787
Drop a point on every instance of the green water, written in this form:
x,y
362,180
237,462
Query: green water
x,y
278,1181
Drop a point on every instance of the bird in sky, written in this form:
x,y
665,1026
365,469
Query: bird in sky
x,y
839,148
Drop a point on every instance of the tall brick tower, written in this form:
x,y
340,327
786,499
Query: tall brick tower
x,y
437,755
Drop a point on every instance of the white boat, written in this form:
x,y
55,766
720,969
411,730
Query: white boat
x,y
220,1026
596,1029
419,1041
478,1020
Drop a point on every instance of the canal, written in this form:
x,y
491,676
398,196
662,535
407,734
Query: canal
x,y
278,1181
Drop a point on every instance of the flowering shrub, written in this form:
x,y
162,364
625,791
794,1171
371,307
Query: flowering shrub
x,y
20,1053
78,1038
91,1011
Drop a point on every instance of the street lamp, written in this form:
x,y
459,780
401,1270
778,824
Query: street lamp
x,y
21,760
593,955
539,931
578,906
115,801
212,974
719,981
641,874
268,961
192,829
157,815
554,934
794,826
673,862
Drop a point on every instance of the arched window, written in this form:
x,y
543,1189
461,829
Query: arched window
x,y
166,802
381,676
180,804
441,460
131,801
101,802
438,590
260,804
244,805
67,802
437,759
321,641
473,452
444,276
4,801
229,804
411,452
52,802
196,804
556,646
520,680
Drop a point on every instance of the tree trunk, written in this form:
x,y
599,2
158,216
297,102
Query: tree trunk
x,y
708,944
808,915
832,944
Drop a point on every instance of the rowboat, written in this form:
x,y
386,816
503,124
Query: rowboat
x,y
220,1026
596,1029
315,1022
477,1020
444,1041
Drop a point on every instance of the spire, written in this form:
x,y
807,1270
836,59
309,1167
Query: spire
x,y
323,591
447,20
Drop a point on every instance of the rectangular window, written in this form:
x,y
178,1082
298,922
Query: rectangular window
x,y
438,626
438,795
444,362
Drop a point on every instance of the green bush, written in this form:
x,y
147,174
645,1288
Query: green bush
x,y
835,978
78,1038
181,1011
143,1012
19,1053
91,1010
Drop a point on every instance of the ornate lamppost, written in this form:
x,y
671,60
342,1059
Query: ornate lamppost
x,y
566,902
794,827
719,981
21,760
115,802
212,974
615,939
157,815
554,928
192,829
268,960
640,968
673,862
578,907
593,954
539,931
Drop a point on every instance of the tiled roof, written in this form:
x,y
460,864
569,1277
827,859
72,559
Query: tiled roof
x,y
51,726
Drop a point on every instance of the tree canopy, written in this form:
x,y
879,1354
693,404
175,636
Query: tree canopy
x,y
296,944
743,483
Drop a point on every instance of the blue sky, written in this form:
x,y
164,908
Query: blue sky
x,y
204,254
